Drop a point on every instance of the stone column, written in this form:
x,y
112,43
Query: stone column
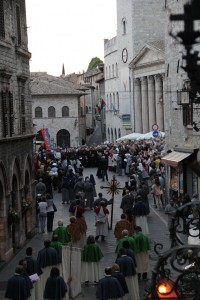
x,y
159,102
151,101
145,114
137,105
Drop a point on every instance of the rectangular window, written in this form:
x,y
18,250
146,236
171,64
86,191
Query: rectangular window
x,y
21,87
126,120
2,24
186,115
19,37
7,113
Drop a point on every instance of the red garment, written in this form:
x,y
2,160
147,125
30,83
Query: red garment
x,y
78,208
97,210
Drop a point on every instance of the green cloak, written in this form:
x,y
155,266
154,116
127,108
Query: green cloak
x,y
142,242
63,235
91,253
131,243
58,247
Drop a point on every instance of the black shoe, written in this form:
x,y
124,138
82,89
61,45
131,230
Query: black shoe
x,y
86,282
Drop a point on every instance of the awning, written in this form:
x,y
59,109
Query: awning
x,y
174,157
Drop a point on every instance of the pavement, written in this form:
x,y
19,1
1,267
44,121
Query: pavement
x,y
157,221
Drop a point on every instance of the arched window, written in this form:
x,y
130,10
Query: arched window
x,y
124,26
38,112
51,112
117,100
111,102
113,70
89,108
65,111
86,109
116,70
114,101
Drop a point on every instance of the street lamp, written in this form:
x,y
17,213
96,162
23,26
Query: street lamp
x,y
165,290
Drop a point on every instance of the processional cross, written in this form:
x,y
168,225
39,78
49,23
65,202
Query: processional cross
x,y
113,188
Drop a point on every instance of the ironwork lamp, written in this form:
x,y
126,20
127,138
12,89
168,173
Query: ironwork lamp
x,y
165,290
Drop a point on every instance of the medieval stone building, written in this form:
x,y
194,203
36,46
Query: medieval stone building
x,y
17,209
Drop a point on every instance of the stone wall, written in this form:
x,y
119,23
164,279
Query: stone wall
x,y
16,148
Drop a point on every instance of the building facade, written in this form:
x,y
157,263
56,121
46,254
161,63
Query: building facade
x,y
148,71
137,24
57,107
93,82
16,131
182,137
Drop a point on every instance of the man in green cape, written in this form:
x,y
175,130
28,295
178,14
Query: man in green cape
x,y
63,234
142,244
125,237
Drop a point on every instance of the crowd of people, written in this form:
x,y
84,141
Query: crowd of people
x,y
63,171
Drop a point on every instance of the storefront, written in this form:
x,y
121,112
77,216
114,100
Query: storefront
x,y
180,179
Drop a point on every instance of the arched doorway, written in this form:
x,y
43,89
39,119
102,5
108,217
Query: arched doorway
x,y
63,138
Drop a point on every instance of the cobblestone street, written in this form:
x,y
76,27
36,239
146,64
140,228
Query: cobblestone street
x,y
157,225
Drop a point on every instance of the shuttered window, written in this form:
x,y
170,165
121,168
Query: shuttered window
x,y
2,24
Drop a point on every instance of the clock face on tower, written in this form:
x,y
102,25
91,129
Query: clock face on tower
x,y
124,55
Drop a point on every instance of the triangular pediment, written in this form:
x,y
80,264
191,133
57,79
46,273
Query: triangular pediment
x,y
149,54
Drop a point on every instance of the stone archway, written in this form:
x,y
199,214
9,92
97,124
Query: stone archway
x,y
63,138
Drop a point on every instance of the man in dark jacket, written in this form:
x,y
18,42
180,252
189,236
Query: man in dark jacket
x,y
109,287
104,167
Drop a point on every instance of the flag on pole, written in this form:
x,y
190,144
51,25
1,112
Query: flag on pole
x,y
103,103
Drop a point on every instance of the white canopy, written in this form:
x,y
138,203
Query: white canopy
x,y
131,136
149,135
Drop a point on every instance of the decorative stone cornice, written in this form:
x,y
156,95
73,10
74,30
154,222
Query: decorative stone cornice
x,y
23,52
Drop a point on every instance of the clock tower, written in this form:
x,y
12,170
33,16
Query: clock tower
x,y
138,22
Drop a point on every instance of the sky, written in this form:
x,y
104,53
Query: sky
x,y
68,31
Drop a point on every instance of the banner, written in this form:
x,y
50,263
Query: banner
x,y
43,132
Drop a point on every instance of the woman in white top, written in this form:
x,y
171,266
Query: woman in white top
x,y
42,206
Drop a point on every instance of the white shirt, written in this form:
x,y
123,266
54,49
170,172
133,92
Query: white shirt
x,y
43,207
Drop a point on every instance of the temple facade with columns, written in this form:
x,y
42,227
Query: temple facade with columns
x,y
148,76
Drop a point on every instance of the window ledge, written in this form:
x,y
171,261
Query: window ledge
x,y
5,44
23,52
